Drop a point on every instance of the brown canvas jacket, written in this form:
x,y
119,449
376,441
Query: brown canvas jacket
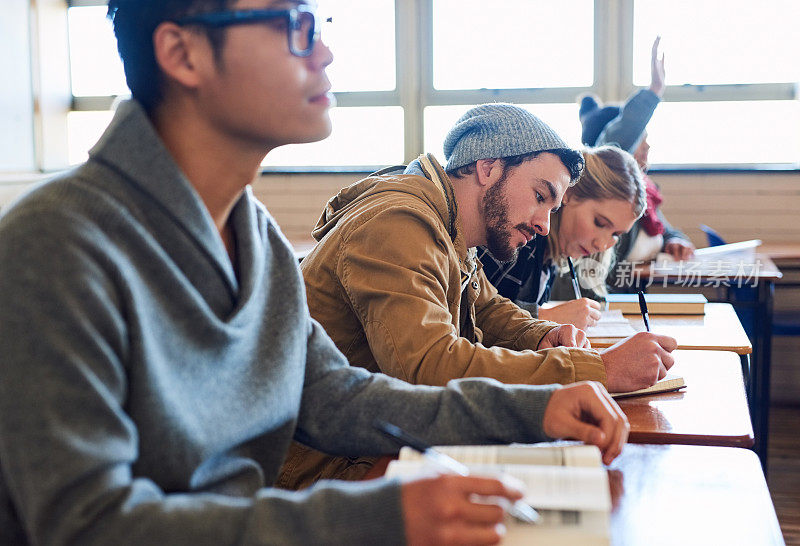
x,y
386,280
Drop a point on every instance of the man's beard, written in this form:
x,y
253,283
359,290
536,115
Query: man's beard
x,y
498,228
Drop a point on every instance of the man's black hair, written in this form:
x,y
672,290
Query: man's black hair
x,y
134,24
571,159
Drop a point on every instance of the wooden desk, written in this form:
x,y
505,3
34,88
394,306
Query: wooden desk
x,y
711,410
690,495
781,251
758,268
752,294
718,330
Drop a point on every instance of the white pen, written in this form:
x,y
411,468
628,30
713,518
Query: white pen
x,y
519,509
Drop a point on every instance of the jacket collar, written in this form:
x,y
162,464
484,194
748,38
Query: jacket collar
x,y
131,146
427,166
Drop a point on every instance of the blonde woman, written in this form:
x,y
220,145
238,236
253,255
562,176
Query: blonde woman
x,y
608,198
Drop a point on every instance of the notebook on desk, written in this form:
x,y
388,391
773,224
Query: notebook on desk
x,y
659,304
611,324
565,482
668,384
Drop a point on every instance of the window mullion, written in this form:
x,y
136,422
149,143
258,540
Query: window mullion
x,y
613,48
412,45
544,95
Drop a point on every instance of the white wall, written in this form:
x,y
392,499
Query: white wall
x,y
16,102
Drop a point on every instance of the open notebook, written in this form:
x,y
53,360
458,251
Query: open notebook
x,y
564,481
611,324
669,383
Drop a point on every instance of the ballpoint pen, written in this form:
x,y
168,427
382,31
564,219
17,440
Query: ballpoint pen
x,y
643,309
519,509
575,286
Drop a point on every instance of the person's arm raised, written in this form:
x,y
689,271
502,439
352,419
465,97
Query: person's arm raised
x,y
657,71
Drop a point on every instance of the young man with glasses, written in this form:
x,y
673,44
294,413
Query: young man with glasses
x,y
158,354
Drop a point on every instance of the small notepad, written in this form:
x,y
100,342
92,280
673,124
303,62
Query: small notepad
x,y
669,383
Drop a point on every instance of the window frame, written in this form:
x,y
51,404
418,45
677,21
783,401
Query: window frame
x,y
414,91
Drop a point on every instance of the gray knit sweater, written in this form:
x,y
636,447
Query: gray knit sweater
x,y
149,389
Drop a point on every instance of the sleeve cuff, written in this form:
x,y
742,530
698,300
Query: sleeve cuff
x,y
588,365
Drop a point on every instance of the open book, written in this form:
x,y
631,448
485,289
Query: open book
x,y
565,482
669,383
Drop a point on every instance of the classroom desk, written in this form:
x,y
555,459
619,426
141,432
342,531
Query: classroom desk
x,y
781,251
711,410
718,329
727,277
690,495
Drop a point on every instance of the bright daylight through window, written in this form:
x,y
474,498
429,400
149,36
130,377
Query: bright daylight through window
x,y
404,72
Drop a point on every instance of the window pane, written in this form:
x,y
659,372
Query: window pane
x,y
563,118
83,131
725,132
512,44
366,136
718,41
362,40
94,61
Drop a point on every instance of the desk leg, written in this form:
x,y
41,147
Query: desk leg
x,y
761,373
747,375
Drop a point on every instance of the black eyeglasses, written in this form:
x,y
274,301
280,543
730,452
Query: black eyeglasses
x,y
301,27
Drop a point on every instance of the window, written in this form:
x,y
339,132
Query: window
x,y
513,50
96,77
404,71
732,72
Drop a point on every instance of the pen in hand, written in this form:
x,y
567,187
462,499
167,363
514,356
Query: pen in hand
x,y
643,309
575,286
519,509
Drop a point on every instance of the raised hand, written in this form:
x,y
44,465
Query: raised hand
x,y
657,73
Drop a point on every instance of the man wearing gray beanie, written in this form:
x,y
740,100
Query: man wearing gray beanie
x,y
395,281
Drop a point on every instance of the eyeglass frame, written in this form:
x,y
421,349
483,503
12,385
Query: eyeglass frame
x,y
220,19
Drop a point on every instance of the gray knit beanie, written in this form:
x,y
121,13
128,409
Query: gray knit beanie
x,y
497,130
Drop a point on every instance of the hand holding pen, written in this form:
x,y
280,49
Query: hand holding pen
x,y
518,509
581,312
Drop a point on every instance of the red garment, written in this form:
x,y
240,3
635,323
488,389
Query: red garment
x,y
650,221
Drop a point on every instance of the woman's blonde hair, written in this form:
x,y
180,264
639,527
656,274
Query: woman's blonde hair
x,y
610,173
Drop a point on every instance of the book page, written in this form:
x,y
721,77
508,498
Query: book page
x,y
559,487
611,324
554,454
546,487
